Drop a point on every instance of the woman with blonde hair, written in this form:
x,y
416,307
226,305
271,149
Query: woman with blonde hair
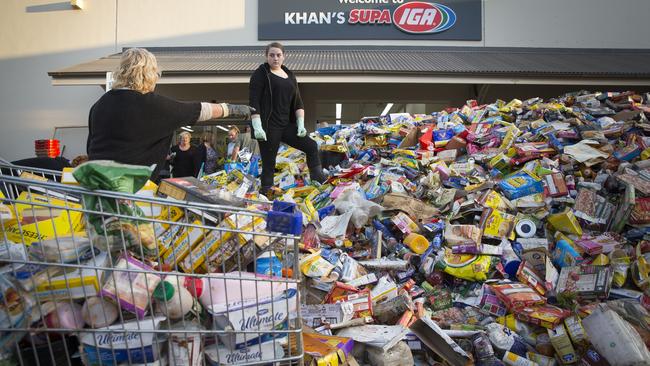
x,y
234,144
186,161
133,125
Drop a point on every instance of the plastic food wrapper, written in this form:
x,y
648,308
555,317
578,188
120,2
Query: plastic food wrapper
x,y
327,350
109,231
62,249
462,234
315,266
265,315
355,202
131,290
605,325
471,267
505,340
15,311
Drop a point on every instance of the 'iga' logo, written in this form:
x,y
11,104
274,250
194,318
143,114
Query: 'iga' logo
x,y
421,17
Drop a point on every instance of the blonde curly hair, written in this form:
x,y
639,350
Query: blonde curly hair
x,y
138,70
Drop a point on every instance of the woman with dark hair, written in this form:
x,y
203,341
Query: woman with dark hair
x,y
280,115
209,154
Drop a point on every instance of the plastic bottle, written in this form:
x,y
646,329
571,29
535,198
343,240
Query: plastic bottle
x,y
416,242
172,299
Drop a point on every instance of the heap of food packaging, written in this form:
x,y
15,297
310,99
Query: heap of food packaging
x,y
510,233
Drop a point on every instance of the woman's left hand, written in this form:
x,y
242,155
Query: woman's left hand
x,y
300,121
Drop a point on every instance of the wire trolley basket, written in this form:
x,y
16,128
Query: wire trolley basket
x,y
91,277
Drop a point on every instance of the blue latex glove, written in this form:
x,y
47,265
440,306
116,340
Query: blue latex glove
x,y
301,127
258,131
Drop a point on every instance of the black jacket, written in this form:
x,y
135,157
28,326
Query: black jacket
x,y
261,95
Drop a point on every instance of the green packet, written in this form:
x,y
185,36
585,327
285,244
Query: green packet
x,y
110,232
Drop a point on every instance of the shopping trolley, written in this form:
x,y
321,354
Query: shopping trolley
x,y
180,283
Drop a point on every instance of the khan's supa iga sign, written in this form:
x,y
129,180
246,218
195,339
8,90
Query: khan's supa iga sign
x,y
369,19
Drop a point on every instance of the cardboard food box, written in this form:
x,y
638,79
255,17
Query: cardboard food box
x,y
42,218
216,238
547,316
76,284
191,237
589,282
192,189
518,295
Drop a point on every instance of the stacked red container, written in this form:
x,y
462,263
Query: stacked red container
x,y
49,148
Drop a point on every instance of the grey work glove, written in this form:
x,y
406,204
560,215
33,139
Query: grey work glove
x,y
238,111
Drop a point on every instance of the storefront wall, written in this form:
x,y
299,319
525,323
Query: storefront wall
x,y
37,36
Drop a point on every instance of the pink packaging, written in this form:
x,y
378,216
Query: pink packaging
x,y
222,291
131,290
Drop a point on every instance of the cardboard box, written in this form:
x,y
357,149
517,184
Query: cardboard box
x,y
192,189
216,238
191,237
518,295
76,284
39,222
589,282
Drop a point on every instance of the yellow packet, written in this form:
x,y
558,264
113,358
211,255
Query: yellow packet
x,y
493,199
313,265
600,260
509,138
471,267
565,222
497,224
375,141
500,162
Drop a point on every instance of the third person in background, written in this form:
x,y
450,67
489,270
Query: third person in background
x,y
209,154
